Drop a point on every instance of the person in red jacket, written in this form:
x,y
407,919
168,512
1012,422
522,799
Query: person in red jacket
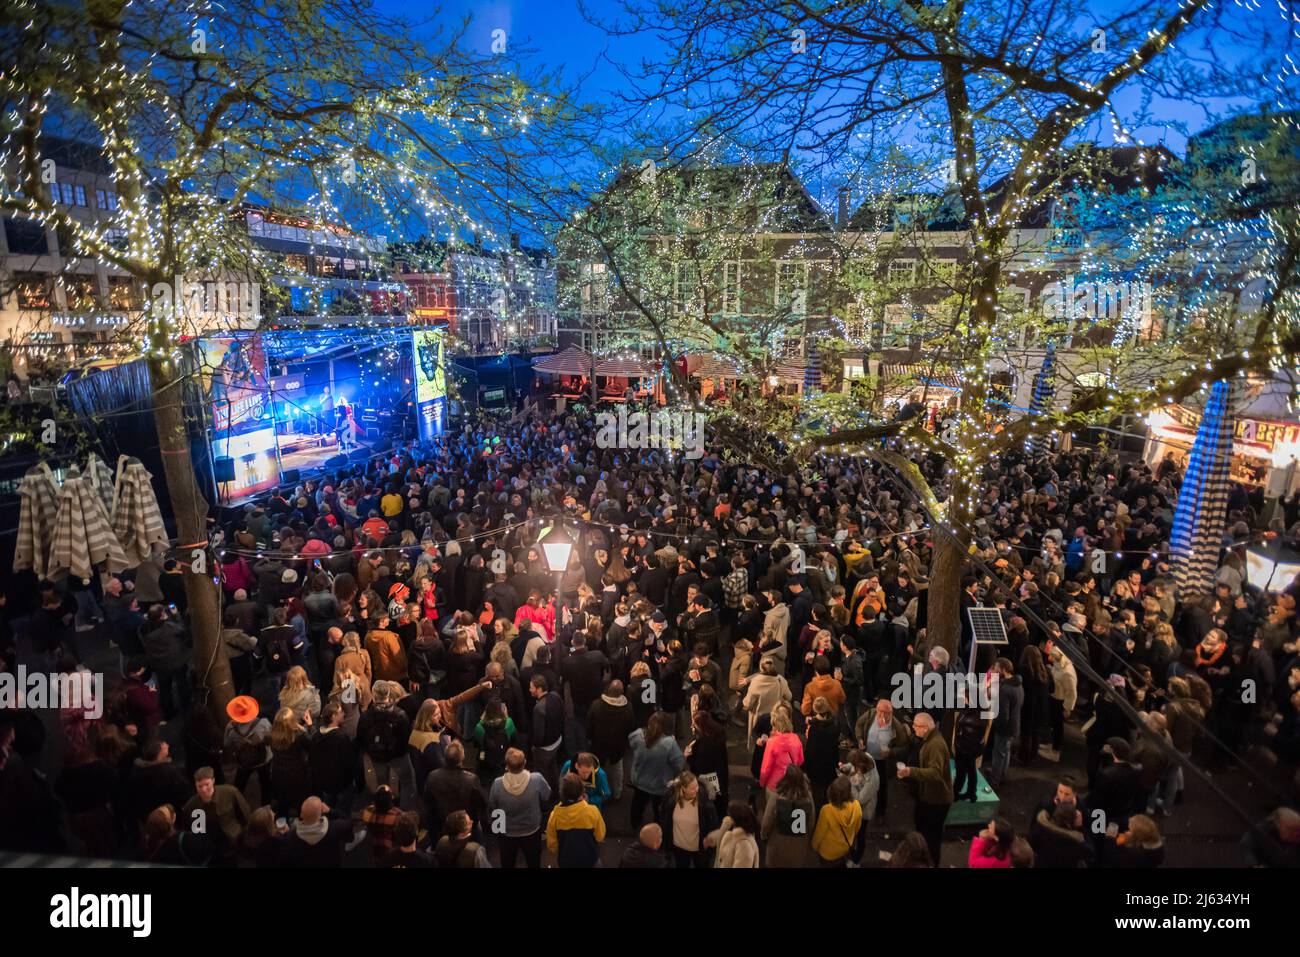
x,y
143,707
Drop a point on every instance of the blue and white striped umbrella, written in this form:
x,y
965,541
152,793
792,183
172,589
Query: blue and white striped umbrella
x,y
1202,511
812,373
1044,391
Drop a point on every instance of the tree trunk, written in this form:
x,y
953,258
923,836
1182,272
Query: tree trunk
x,y
943,611
211,666
951,547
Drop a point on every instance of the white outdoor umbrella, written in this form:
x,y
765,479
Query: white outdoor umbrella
x,y
100,477
39,504
82,535
137,520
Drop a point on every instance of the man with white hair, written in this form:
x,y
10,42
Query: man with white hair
x,y
930,781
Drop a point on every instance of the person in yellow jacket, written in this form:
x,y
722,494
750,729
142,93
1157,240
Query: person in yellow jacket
x,y
576,829
838,824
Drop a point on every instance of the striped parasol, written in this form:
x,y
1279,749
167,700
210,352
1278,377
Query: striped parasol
x,y
137,521
1044,391
812,373
38,495
82,535
100,477
1202,511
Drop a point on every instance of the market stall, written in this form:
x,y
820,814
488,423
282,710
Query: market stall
x,y
1265,435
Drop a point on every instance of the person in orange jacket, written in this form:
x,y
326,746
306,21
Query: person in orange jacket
x,y
387,656
822,685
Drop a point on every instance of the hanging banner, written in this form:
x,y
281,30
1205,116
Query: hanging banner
x,y
430,381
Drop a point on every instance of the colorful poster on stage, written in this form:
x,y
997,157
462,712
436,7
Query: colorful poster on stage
x,y
430,381
235,368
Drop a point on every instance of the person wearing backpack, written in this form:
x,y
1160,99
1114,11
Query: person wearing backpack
x,y
246,738
457,848
494,734
277,645
382,733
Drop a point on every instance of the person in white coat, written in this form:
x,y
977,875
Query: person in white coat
x,y
764,691
736,841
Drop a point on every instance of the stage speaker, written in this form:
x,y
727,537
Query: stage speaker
x,y
291,476
359,455
224,469
336,461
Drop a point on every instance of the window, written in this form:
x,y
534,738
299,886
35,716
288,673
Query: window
x,y
792,287
944,270
686,296
33,290
857,327
71,195
898,321
106,200
25,238
123,295
731,288
593,286
902,271
81,293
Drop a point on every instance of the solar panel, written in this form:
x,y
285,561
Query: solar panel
x,y
987,626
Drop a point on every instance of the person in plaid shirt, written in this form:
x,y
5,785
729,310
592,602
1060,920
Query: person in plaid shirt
x,y
380,820
735,584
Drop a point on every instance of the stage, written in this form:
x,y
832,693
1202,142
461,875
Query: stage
x,y
285,404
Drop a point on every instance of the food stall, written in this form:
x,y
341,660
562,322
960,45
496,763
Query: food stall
x,y
1266,435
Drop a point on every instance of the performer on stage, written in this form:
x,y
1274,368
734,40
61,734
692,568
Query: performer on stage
x,y
325,420
347,428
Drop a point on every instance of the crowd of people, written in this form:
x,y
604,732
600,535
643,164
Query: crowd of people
x,y
415,686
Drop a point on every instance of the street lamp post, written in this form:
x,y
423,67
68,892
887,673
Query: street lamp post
x,y
557,547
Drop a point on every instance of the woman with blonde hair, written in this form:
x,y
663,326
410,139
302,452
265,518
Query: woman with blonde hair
x,y
1163,650
780,749
764,692
687,819
502,655
299,694
290,762
353,661
428,738
742,663
1065,690
1140,846
643,703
